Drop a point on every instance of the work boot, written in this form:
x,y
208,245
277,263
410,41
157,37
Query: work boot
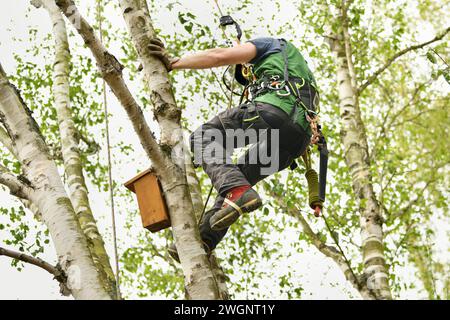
x,y
172,251
238,200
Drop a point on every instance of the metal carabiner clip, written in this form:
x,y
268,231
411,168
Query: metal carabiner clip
x,y
263,85
288,92
310,114
274,85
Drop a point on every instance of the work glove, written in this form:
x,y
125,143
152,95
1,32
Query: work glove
x,y
157,49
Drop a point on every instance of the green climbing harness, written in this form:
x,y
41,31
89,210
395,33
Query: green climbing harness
x,y
273,81
265,83
285,85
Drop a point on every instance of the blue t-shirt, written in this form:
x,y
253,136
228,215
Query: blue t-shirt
x,y
264,47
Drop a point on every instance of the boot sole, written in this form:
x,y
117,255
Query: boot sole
x,y
232,216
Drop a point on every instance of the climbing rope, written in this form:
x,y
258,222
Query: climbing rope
x,y
218,8
223,24
108,145
206,203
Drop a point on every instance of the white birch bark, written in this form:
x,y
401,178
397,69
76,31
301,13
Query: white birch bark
x,y
356,153
32,208
198,204
49,195
70,148
54,270
198,276
111,71
6,141
199,279
15,186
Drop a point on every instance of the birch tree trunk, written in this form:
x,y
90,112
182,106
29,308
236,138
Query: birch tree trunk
x,y
198,276
356,151
200,282
70,148
199,206
49,195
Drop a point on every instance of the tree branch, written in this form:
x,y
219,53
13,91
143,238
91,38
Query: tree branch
x,y
70,151
54,270
346,5
49,193
111,71
414,118
165,110
198,204
325,249
34,209
414,96
375,75
6,141
388,121
19,188
411,203
92,146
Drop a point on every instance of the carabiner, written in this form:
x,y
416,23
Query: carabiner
x,y
288,92
275,85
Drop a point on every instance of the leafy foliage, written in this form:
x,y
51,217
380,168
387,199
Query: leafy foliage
x,y
405,113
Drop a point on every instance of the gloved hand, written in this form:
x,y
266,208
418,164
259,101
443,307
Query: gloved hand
x,y
157,49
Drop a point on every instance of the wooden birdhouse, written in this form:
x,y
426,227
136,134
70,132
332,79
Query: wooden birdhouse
x,y
152,204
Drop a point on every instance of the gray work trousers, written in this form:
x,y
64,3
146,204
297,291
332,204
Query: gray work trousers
x,y
274,142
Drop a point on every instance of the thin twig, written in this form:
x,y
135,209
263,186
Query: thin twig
x,y
443,60
375,75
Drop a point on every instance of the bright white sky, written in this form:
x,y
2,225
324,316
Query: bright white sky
x,y
319,277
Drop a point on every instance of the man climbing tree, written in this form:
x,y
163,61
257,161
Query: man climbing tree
x,y
282,100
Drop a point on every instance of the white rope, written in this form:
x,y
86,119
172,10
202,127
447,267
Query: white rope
x,y
110,180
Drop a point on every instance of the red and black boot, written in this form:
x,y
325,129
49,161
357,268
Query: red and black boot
x,y
239,200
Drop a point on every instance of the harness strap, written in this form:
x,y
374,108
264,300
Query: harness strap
x,y
323,167
234,205
291,85
283,46
285,58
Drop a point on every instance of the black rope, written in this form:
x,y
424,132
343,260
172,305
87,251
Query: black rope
x,y
229,87
206,203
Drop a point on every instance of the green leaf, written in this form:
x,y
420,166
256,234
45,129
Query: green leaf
x,y
446,75
181,18
431,57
